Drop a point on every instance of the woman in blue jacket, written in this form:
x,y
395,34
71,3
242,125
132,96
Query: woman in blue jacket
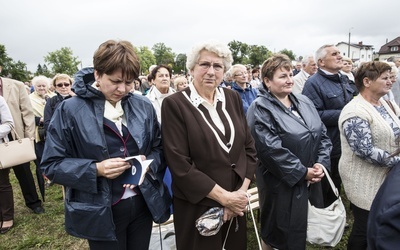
x,y
87,140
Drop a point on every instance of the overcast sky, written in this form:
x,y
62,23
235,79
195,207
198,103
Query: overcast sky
x,y
30,29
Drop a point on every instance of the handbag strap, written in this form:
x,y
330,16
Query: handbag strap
x,y
335,190
254,221
15,132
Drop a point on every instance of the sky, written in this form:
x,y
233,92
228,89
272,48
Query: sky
x,y
29,30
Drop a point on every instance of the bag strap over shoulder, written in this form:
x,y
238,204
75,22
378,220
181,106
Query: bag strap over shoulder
x,y
335,190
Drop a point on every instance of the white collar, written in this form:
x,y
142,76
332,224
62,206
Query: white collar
x,y
197,99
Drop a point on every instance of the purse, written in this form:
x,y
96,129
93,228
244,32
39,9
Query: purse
x,y
16,152
325,226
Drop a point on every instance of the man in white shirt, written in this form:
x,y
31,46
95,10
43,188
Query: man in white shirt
x,y
309,67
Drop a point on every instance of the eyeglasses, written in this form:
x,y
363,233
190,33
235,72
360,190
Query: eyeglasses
x,y
206,65
241,74
60,85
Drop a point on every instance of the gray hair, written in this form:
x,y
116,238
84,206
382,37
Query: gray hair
x,y
306,60
321,52
222,50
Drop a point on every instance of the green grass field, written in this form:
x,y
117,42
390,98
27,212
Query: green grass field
x,y
46,231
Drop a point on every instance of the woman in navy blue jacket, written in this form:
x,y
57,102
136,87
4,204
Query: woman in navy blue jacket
x,y
87,141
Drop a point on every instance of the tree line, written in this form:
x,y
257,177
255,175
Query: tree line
x,y
63,60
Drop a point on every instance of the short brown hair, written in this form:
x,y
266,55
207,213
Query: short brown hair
x,y
273,63
371,70
113,55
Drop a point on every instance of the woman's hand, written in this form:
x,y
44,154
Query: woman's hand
x,y
236,202
315,173
112,168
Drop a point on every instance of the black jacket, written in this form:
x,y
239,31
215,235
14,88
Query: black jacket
x,y
286,147
329,93
75,143
384,216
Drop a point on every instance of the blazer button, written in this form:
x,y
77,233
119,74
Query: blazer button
x,y
122,149
233,165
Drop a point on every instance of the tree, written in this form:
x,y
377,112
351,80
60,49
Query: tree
x,y
258,54
180,63
239,51
146,58
289,53
43,70
163,54
62,61
15,70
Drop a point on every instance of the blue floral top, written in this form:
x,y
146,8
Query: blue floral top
x,y
358,135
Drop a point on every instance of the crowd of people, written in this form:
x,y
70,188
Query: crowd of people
x,y
209,134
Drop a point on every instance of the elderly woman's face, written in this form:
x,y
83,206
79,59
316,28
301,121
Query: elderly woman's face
x,y
241,75
41,89
347,66
114,86
393,77
63,86
380,86
208,71
162,80
281,83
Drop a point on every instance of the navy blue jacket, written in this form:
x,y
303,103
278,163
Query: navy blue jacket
x,y
248,95
76,142
384,216
329,93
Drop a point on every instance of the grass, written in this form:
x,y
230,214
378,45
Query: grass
x,y
46,231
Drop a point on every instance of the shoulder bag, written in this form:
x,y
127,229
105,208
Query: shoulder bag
x,y
16,152
325,226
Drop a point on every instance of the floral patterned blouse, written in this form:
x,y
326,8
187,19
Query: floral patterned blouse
x,y
358,135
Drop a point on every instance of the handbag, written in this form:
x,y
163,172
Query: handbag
x,y
16,152
325,226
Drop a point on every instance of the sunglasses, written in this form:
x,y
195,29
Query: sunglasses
x,y
60,85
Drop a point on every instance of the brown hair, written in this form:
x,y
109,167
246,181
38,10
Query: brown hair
x,y
273,63
371,70
113,55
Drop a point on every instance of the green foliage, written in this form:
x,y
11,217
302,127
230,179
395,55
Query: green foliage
x,y
180,64
146,58
163,54
289,53
258,54
15,70
43,70
239,51
62,61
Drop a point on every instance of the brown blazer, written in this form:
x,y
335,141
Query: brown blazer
x,y
18,101
197,157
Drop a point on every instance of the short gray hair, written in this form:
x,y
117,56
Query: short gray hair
x,y
321,52
306,60
222,50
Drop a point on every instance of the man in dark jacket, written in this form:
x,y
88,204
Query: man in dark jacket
x,y
330,92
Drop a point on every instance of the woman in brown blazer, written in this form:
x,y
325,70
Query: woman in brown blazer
x,y
209,150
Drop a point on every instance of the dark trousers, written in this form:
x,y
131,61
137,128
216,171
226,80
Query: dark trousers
x,y
358,236
133,224
328,194
6,196
27,183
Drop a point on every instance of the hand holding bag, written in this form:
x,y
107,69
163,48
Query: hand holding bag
x,y
13,153
326,225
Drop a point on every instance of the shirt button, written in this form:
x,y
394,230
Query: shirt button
x,y
122,149
233,165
